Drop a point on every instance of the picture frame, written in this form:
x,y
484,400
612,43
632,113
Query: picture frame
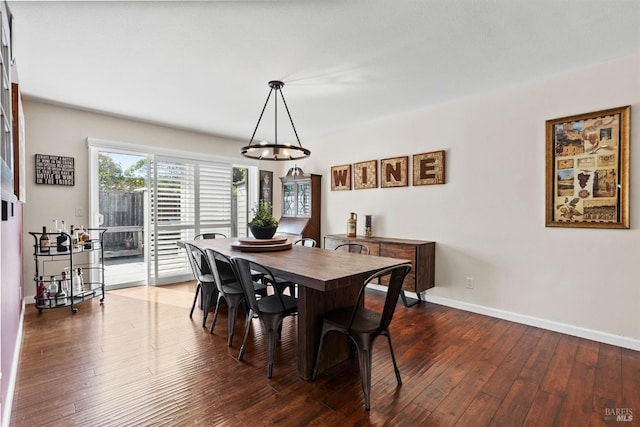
x,y
266,187
394,172
587,170
54,170
428,168
19,150
341,177
365,175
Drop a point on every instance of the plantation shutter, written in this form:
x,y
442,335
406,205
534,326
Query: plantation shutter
x,y
187,198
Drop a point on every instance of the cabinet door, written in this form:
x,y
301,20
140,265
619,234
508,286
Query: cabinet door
x,y
374,248
403,252
289,199
303,190
331,242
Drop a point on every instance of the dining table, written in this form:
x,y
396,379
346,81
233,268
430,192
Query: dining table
x,y
326,279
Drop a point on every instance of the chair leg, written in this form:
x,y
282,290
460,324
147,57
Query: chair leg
x,y
206,302
315,365
271,323
271,348
215,313
393,358
233,302
246,334
364,357
195,298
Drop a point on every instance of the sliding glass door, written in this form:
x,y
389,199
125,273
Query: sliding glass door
x,y
187,198
150,201
122,208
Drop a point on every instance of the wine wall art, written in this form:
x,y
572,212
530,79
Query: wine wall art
x,y
427,168
55,170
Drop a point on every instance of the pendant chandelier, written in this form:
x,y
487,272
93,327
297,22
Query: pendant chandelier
x,y
274,151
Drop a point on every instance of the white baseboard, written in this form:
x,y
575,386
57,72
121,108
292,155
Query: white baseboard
x,y
8,404
577,331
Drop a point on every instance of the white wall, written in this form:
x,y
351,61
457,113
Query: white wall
x,y
57,130
488,219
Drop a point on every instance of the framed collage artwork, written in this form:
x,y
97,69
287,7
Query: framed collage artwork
x,y
587,170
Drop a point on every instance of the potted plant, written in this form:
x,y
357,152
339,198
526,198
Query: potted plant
x,y
128,242
263,225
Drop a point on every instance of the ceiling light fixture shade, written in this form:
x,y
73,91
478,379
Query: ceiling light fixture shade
x,y
274,151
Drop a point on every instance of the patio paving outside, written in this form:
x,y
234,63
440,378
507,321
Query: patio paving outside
x,y
123,270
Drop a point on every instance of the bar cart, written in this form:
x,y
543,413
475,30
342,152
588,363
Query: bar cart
x,y
70,269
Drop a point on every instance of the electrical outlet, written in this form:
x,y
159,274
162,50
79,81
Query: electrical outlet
x,y
79,212
469,282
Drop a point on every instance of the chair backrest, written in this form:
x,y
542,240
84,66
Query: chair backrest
x,y
355,248
397,275
198,260
219,261
210,236
244,269
306,241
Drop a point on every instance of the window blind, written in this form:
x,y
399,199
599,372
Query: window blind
x,y
188,197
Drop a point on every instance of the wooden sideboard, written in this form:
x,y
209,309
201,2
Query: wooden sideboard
x,y
421,253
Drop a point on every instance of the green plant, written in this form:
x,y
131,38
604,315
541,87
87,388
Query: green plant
x,y
262,216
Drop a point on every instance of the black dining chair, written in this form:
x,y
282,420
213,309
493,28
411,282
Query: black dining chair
x,y
355,248
230,292
363,326
306,241
283,284
205,282
210,236
225,272
270,309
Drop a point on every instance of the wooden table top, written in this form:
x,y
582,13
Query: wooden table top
x,y
316,268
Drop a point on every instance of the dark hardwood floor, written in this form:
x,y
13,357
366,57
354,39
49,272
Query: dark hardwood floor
x,y
140,361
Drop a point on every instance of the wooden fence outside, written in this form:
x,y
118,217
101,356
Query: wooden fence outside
x,y
123,214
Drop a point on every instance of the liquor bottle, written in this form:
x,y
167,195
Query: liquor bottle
x,y
65,284
351,225
44,241
61,295
53,288
75,239
62,244
78,285
85,238
41,293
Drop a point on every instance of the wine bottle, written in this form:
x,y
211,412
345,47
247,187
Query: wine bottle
x,y
61,295
41,293
44,241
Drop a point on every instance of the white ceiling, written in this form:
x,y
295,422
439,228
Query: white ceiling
x,y
205,65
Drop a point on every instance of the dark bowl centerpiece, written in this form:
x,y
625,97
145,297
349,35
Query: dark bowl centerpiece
x,y
263,225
